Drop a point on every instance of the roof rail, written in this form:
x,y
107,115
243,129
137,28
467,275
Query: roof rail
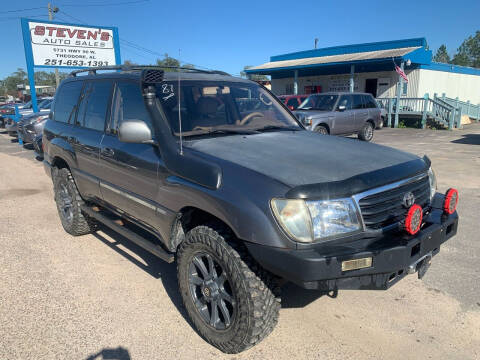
x,y
93,70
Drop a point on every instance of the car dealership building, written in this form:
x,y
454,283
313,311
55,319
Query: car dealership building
x,y
370,67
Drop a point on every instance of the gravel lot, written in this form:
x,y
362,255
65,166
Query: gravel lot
x,y
100,297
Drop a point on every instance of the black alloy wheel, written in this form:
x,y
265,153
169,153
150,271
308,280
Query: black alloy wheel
x,y
211,291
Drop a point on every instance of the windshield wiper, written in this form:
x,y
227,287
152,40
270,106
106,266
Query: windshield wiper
x,y
213,131
277,127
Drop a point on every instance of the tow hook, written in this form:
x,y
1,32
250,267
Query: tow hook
x,y
421,265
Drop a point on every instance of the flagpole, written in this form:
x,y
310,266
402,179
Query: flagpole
x,y
399,89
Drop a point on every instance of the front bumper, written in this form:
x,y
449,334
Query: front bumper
x,y
26,135
393,256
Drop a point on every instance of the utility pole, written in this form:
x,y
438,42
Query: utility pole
x,y
51,11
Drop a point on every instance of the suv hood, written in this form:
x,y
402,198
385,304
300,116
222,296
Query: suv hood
x,y
300,158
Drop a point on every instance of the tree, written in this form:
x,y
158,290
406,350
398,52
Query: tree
x,y
441,55
16,78
254,77
468,54
129,63
168,62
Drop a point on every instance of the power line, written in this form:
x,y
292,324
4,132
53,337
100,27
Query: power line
x,y
20,10
9,18
107,4
134,45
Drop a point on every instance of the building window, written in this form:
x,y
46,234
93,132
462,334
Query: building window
x,y
405,88
289,89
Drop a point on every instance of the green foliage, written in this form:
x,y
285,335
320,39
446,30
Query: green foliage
x,y
441,55
19,77
468,54
169,62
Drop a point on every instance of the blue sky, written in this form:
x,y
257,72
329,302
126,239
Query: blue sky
x,y
227,35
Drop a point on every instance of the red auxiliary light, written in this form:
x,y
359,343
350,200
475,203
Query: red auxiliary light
x,y
451,201
413,221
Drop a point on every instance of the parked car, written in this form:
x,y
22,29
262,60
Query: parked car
x,y
340,114
12,126
181,165
292,101
32,125
37,146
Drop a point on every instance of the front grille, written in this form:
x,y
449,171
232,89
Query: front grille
x,y
386,208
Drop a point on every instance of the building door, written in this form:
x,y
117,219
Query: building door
x,y
383,87
371,86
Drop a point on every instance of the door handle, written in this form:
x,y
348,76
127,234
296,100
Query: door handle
x,y
108,152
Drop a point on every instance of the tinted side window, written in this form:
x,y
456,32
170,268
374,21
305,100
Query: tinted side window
x,y
369,102
128,105
345,100
357,102
93,109
66,101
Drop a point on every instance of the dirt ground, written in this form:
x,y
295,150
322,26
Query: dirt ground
x,y
101,297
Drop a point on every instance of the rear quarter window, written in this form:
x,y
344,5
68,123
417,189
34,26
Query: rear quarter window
x,y
66,101
95,102
370,102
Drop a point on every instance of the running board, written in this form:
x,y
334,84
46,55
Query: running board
x,y
130,235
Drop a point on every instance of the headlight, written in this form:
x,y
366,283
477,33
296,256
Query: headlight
x,y
307,121
433,182
294,217
309,221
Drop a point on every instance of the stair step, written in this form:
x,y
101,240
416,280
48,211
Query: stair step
x,y
129,234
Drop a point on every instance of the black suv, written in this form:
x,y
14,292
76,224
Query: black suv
x,y
213,172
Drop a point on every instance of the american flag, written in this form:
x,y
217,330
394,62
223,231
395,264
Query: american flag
x,y
401,73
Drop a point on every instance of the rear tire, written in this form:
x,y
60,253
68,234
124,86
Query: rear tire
x,y
243,309
381,123
366,133
321,129
69,203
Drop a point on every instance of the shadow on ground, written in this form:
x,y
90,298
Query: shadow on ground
x,y
292,295
155,267
468,139
118,353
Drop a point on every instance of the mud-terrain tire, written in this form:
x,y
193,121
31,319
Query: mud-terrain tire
x,y
366,133
253,313
69,203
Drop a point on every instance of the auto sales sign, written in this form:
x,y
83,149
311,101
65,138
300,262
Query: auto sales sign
x,y
68,45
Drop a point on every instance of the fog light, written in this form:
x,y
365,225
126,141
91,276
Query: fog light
x,y
356,264
451,201
413,221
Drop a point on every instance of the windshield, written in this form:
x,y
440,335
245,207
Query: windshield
x,y
208,107
319,102
45,104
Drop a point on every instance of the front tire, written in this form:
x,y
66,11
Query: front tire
x,y
69,204
229,298
366,133
321,129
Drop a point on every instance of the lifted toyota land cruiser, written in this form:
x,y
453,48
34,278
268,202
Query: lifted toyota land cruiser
x,y
213,172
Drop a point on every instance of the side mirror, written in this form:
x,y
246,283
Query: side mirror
x,y
342,108
134,131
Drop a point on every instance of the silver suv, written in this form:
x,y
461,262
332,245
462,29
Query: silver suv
x,y
340,114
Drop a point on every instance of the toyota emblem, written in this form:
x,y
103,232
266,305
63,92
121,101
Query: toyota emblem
x,y
408,199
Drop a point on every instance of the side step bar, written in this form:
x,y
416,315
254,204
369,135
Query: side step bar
x,y
130,235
